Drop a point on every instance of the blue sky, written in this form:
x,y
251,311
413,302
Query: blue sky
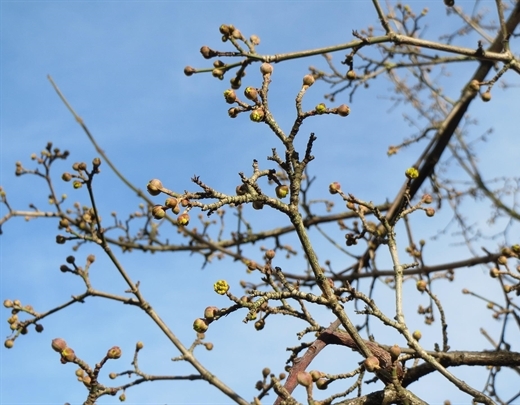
x,y
120,64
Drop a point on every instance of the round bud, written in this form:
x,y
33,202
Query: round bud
x,y
9,343
139,345
207,52
257,115
412,173
320,108
210,313
266,68
308,80
502,260
154,187
417,335
200,325
218,73
183,219
395,352
427,199
351,75
265,372
188,70
430,212
38,328
270,254
421,285
254,39
68,355
282,191
221,287
449,3
334,187
316,375
233,112
224,29
474,85
114,352
8,303
208,346
486,96
258,205
158,212
322,384
58,345
304,379
371,364
260,324
235,83
251,93
66,176
343,110
230,96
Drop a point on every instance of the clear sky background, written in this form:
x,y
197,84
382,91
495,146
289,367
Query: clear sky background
x,y
120,64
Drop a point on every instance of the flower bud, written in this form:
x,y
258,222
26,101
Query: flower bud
x,y
320,108
230,96
68,355
430,212
207,52
351,75
308,80
395,352
270,254
334,187
412,173
221,287
417,335
158,212
200,325
188,70
266,68
58,345
251,93
304,379
486,96
257,115
154,187
114,353
66,176
343,110
371,364
9,343
421,285
139,345
171,202
282,191
183,219
210,313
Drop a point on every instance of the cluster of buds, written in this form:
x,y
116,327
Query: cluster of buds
x,y
155,187
67,354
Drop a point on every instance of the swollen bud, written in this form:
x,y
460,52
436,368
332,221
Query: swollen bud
x,y
154,187
266,68
282,191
